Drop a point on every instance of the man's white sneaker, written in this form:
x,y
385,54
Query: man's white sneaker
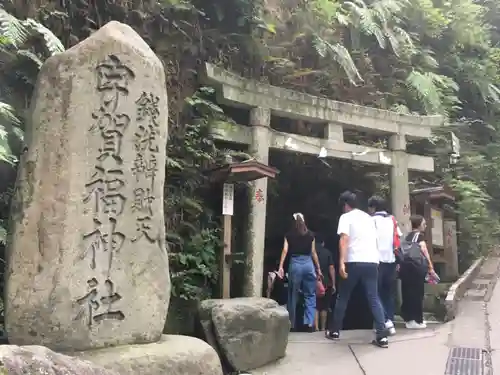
x,y
390,327
414,325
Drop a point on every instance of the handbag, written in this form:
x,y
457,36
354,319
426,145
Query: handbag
x,y
320,288
395,236
432,278
396,241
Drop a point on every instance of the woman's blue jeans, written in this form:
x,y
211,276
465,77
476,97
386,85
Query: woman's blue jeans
x,y
302,276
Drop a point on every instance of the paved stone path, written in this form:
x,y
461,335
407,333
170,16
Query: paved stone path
x,y
411,352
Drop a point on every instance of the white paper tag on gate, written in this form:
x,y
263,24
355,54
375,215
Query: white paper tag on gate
x,y
228,199
384,159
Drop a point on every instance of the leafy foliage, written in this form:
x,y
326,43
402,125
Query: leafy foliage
x,y
194,270
192,230
411,56
24,45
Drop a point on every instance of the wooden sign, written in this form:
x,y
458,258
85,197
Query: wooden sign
x,y
228,200
437,227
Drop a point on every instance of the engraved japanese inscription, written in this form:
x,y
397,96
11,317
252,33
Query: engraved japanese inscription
x,y
145,165
98,307
104,196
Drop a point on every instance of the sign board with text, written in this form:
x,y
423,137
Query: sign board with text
x,y
455,144
228,200
437,227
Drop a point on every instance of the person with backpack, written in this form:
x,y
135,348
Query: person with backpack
x,y
415,265
388,242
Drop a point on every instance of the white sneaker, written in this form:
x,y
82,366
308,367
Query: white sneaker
x,y
414,325
390,327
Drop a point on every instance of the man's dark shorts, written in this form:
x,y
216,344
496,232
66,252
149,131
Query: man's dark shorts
x,y
324,303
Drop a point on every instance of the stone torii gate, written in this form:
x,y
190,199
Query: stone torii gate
x,y
263,100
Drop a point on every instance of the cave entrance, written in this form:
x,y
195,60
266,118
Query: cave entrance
x,y
312,186
293,122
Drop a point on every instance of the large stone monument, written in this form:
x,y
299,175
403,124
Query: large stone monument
x,y
87,259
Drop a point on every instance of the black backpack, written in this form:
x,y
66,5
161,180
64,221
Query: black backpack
x,y
411,253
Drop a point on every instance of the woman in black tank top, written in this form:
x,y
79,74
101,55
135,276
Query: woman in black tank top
x,y
300,247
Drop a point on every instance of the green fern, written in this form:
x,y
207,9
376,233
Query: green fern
x,y
400,108
52,43
400,40
6,154
172,163
19,33
428,60
341,55
3,236
185,226
379,19
437,93
24,46
327,9
494,93
13,31
9,125
173,237
190,204
363,18
8,115
423,86
23,53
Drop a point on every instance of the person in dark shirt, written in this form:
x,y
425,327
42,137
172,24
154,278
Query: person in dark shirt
x,y
325,258
413,279
299,244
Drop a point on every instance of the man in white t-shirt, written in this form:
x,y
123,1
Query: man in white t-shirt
x,y
387,234
358,262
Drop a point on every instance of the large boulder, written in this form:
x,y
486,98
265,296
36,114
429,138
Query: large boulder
x,y
247,332
172,355
87,263
16,360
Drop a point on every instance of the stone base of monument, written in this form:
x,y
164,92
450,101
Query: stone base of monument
x,y
172,355
35,359
246,332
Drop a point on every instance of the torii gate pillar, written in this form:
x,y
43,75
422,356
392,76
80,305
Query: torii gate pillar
x,y
400,190
260,121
